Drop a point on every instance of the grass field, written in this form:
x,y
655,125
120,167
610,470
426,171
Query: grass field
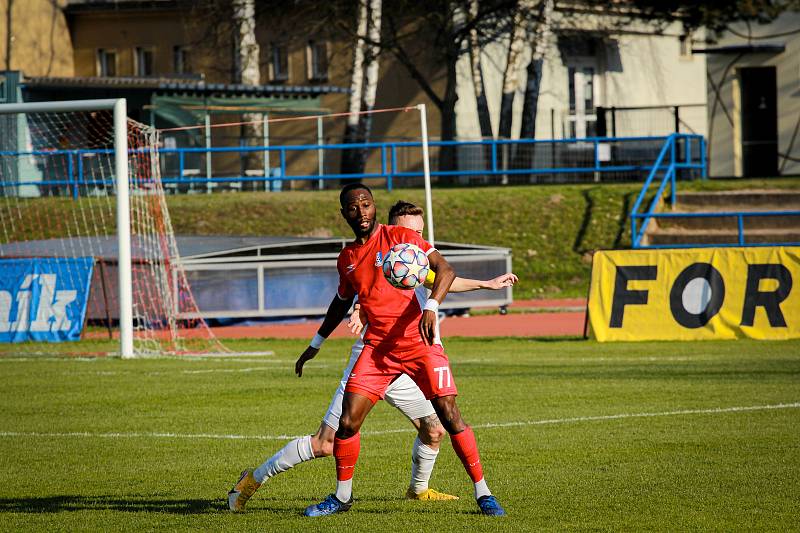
x,y
574,435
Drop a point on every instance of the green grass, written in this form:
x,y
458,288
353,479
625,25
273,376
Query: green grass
x,y
559,459
551,229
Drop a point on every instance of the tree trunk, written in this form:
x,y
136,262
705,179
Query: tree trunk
x,y
371,80
511,73
247,73
447,154
526,156
534,69
484,118
9,33
349,157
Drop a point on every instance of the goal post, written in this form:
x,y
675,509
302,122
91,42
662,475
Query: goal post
x,y
79,175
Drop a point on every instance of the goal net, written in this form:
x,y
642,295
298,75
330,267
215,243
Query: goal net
x,y
69,268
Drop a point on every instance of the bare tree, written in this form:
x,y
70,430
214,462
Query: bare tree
x,y
482,104
516,47
349,157
9,32
371,81
247,72
534,69
431,35
363,85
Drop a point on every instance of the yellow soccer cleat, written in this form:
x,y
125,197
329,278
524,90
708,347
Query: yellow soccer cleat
x,y
429,495
242,491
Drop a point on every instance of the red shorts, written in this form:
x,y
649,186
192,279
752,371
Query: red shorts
x,y
428,366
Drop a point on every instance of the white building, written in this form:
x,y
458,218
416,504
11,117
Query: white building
x,y
754,100
585,69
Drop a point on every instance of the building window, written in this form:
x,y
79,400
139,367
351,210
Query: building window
x,y
317,60
181,59
581,119
106,62
279,62
145,59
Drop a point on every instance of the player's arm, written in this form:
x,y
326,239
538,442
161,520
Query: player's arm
x,y
337,310
441,284
466,284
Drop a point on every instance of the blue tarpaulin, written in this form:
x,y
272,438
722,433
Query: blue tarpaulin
x,y
44,299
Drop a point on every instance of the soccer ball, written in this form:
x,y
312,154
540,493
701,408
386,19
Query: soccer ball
x,y
405,266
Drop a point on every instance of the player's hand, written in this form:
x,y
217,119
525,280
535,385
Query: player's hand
x,y
308,355
356,321
427,326
500,282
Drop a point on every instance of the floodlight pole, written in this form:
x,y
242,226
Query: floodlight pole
x,y
426,168
123,228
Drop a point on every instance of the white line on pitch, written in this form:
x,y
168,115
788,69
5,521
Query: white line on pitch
x,y
716,410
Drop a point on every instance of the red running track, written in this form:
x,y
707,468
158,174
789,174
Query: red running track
x,y
511,325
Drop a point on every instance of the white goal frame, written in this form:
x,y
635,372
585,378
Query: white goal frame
x,y
119,107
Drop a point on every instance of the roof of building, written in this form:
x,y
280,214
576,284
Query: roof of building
x,y
181,85
83,6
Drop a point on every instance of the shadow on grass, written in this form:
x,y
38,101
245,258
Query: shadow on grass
x,y
65,503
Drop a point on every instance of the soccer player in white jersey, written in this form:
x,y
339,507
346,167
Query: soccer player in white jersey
x,y
403,394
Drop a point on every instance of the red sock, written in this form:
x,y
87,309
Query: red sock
x,y
467,450
345,451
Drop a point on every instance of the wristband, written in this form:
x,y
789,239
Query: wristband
x,y
432,305
317,341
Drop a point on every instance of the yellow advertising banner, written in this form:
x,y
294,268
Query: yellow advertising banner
x,y
694,294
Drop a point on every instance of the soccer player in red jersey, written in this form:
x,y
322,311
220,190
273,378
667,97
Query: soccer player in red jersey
x,y
399,340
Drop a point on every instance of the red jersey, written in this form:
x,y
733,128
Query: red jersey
x,y
393,314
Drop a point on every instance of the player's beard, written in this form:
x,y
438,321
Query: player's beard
x,y
365,231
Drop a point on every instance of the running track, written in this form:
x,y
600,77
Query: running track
x,y
547,318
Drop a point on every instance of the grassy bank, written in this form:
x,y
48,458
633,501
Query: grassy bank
x,y
551,229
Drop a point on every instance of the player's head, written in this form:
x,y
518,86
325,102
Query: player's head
x,y
407,215
358,208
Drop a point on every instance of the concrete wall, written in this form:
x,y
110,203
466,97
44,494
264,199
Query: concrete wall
x,y
41,43
725,156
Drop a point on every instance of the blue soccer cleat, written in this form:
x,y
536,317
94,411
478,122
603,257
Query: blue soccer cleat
x,y
490,506
330,505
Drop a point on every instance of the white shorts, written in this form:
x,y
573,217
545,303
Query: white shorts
x,y
403,393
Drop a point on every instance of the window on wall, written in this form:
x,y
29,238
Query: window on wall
x,y
181,59
144,61
279,62
581,88
317,60
106,62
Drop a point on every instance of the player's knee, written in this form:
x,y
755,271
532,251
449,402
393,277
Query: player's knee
x,y
435,435
347,427
454,425
431,431
450,418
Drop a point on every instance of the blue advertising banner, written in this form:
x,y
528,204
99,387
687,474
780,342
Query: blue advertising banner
x,y
44,299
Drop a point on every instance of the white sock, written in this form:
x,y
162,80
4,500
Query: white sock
x,y
294,453
423,458
344,490
482,489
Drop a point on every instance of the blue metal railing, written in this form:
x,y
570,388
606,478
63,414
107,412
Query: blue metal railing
x,y
641,220
588,156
